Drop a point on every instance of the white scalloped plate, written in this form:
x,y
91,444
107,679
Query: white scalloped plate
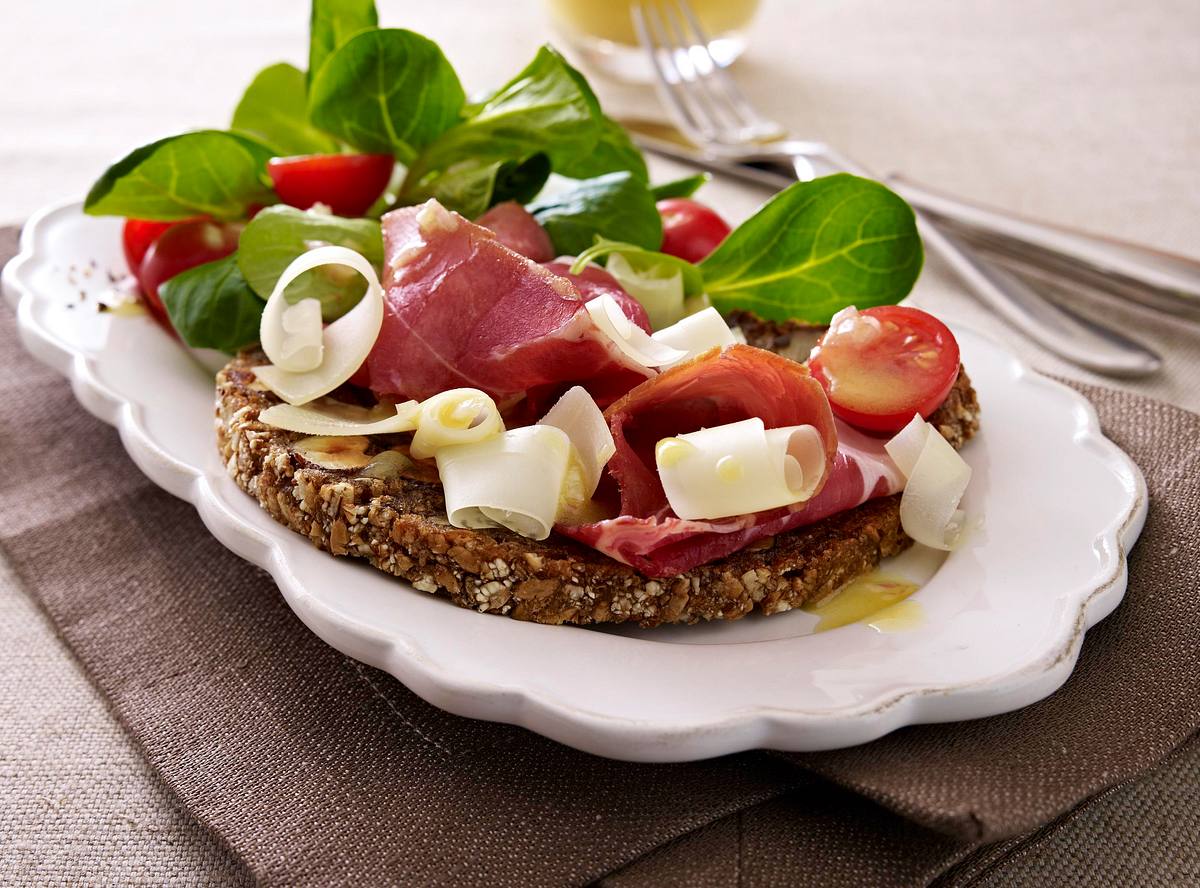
x,y
1002,618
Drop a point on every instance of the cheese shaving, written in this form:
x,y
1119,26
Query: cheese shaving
x,y
512,480
740,468
289,337
592,444
629,338
457,416
696,334
331,418
937,479
661,295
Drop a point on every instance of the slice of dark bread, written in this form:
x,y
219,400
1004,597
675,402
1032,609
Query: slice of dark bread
x,y
350,500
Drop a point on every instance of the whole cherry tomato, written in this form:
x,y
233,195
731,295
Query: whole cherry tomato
x,y
136,238
346,183
182,246
881,365
690,229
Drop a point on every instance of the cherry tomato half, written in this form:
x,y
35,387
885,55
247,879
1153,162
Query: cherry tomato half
x,y
136,238
690,229
346,183
881,365
182,246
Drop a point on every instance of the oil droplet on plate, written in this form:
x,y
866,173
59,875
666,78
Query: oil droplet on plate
x,y
875,599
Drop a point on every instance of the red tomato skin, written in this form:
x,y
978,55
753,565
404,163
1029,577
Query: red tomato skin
x,y
924,400
182,246
347,183
137,237
690,229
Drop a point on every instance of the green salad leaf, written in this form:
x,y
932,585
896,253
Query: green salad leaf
x,y
279,234
386,91
613,151
548,108
210,172
334,22
815,248
645,262
615,205
684,187
274,109
521,180
212,306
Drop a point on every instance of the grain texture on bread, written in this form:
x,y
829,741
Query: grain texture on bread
x,y
389,510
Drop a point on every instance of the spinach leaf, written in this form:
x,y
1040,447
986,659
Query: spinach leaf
x,y
685,187
521,181
645,261
815,248
614,151
212,306
615,205
209,172
279,234
471,188
274,108
333,23
548,107
386,91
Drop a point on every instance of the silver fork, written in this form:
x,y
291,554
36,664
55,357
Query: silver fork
x,y
707,106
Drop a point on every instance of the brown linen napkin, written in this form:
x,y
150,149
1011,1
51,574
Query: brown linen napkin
x,y
317,770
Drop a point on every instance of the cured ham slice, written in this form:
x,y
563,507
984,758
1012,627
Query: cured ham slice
x,y
594,282
663,545
718,388
516,228
461,310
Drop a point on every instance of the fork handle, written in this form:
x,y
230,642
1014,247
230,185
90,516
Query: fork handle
x,y
1068,335
1176,276
1077,339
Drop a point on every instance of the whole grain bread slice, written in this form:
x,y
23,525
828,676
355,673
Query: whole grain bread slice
x,y
366,498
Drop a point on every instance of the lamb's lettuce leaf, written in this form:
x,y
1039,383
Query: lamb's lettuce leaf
x,y
614,206
386,91
210,172
279,234
648,262
212,306
334,22
815,248
274,109
684,187
548,108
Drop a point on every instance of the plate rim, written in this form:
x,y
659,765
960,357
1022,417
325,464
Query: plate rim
x,y
602,733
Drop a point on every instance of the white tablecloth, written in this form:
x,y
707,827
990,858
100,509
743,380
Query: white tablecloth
x,y
1083,112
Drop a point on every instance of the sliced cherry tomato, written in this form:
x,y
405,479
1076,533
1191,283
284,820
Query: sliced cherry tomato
x,y
881,365
182,246
136,238
346,183
690,229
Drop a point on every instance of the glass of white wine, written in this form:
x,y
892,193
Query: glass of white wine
x,y
602,31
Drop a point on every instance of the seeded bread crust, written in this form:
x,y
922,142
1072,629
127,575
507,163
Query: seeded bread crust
x,y
391,513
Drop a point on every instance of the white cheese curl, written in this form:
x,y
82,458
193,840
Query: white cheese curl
x,y
661,295
331,418
628,337
457,416
292,337
696,334
512,480
937,479
592,444
740,468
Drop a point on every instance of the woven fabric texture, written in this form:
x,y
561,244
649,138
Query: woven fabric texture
x,y
317,770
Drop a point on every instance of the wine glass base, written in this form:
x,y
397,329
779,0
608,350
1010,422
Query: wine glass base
x,y
629,64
